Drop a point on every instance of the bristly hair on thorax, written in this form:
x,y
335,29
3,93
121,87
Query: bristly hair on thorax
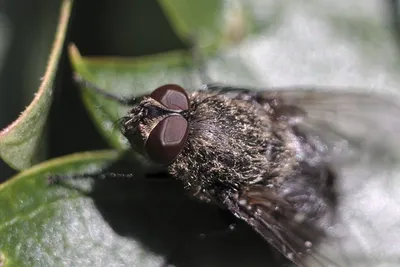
x,y
232,143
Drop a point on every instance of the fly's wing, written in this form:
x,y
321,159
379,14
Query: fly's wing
x,y
361,137
358,134
275,220
348,123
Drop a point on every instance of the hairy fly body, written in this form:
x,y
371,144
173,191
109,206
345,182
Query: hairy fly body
x,y
276,159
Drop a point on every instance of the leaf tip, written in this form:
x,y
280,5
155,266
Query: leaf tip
x,y
235,23
74,54
73,50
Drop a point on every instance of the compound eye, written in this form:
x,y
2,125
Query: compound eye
x,y
172,96
167,139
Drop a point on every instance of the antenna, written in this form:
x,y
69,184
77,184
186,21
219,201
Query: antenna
x,y
131,101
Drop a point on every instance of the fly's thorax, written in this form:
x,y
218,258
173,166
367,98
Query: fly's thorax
x,y
230,143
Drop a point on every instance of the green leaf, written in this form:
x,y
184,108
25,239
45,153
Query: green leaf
x,y
19,142
137,222
29,206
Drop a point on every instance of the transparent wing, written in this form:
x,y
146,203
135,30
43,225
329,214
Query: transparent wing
x,y
359,135
348,123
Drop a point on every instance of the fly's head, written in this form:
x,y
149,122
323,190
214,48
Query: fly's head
x,y
157,126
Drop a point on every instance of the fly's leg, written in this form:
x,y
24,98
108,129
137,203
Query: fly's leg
x,y
246,94
100,175
219,87
57,178
130,101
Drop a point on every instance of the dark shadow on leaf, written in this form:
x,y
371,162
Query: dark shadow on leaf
x,y
156,211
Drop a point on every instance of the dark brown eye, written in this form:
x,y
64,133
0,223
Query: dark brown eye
x,y
172,96
167,139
